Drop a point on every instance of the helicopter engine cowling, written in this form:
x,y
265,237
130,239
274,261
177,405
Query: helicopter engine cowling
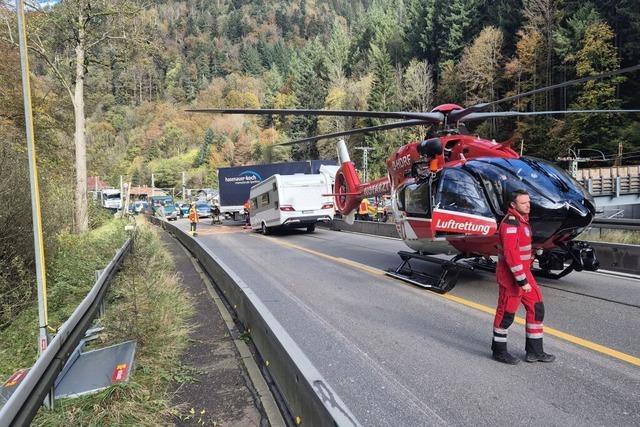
x,y
347,189
430,147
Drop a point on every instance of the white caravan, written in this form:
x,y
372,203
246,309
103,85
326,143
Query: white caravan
x,y
294,201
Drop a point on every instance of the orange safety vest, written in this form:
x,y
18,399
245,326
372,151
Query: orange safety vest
x,y
193,215
364,207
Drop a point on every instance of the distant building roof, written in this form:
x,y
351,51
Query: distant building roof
x,y
146,191
93,180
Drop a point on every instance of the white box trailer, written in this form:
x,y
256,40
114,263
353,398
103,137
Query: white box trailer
x,y
293,201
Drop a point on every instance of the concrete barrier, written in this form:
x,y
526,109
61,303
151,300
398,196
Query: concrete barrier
x,y
618,257
309,398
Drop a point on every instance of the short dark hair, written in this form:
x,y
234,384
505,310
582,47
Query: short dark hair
x,y
513,195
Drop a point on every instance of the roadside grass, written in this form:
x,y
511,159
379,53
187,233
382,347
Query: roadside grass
x,y
71,273
145,303
612,236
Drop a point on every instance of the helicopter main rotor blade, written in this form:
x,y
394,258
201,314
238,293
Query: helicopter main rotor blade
x,y
388,126
459,114
427,117
482,116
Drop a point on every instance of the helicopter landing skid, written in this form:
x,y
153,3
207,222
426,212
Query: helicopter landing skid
x,y
487,264
550,275
441,283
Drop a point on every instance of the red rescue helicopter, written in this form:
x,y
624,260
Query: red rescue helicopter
x,y
451,189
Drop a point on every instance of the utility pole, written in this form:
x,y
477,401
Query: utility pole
x,y
184,194
365,161
618,161
574,158
153,184
41,277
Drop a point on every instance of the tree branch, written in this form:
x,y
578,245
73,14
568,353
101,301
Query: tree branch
x,y
104,37
39,49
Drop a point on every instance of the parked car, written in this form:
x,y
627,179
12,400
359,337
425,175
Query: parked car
x,y
184,209
140,206
203,209
171,211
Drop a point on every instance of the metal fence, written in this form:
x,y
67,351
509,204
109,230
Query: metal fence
x,y
25,402
612,185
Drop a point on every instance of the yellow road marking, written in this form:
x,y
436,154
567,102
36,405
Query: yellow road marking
x,y
480,307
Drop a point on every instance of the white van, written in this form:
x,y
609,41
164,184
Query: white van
x,y
294,201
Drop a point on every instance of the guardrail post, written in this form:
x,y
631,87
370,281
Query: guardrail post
x,y
101,306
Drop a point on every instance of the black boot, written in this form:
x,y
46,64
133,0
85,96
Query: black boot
x,y
500,353
535,353
540,357
505,357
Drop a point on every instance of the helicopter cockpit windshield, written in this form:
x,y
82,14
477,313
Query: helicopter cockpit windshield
x,y
557,200
459,191
461,207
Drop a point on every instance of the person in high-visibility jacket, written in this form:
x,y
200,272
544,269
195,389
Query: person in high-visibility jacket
x,y
246,206
363,209
517,285
193,218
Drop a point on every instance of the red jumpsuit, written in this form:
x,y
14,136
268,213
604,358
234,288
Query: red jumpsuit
x,y
513,272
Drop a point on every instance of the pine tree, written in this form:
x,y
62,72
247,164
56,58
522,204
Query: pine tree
x,y
205,149
309,87
598,55
383,97
426,30
459,22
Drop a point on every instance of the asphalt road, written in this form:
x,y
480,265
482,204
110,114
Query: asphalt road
x,y
401,356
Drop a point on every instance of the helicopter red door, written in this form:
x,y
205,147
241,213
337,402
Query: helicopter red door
x,y
461,208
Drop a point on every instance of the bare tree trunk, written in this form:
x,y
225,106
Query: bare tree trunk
x,y
81,213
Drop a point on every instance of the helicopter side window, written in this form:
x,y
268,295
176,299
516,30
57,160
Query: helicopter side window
x,y
418,200
459,191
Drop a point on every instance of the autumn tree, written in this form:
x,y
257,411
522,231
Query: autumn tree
x,y
418,86
68,37
450,88
481,66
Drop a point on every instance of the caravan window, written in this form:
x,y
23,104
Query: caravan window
x,y
254,203
264,199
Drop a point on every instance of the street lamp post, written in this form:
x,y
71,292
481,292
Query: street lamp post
x,y
41,278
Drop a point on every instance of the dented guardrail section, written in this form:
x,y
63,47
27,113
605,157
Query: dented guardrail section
x,y
25,402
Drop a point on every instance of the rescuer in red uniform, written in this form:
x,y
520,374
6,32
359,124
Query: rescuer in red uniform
x,y
516,284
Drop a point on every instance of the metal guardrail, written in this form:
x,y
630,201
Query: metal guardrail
x,y
616,223
25,402
612,256
306,393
